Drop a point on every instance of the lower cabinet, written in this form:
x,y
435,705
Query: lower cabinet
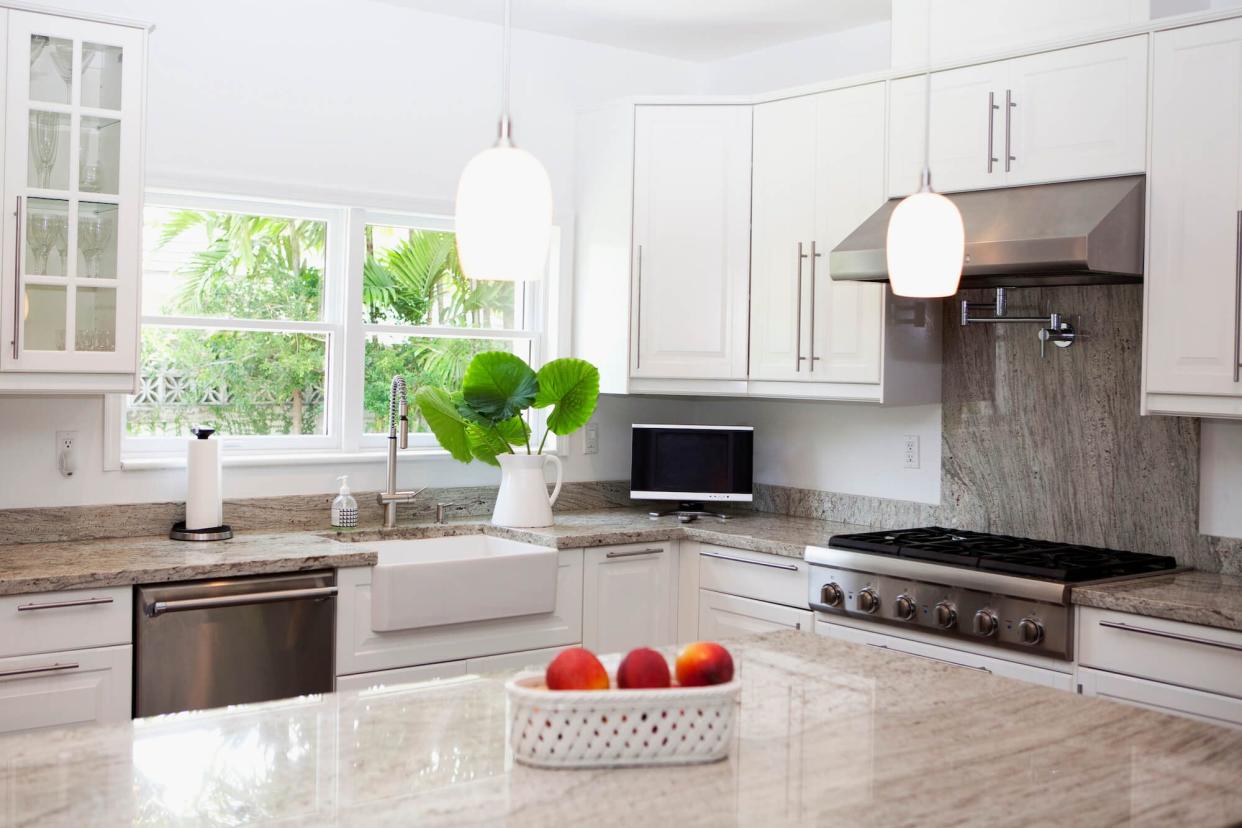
x,y
527,659
1167,665
629,597
65,688
727,616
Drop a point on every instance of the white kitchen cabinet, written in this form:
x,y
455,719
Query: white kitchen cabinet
x,y
819,173
360,649
1193,304
1156,662
772,578
1053,116
72,197
71,619
728,616
960,30
401,675
691,246
65,688
629,597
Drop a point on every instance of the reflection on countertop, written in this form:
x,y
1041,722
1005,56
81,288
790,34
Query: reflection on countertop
x,y
828,732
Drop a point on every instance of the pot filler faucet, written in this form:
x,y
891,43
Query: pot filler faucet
x,y
1056,330
398,430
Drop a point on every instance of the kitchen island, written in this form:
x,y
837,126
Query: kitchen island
x,y
829,733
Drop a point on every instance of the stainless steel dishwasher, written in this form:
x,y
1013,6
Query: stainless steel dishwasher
x,y
200,644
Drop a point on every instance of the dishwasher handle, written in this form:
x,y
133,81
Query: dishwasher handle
x,y
244,599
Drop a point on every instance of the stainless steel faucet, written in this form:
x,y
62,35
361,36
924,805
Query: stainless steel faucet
x,y
398,431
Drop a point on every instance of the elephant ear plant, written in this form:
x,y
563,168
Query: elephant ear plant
x,y
484,419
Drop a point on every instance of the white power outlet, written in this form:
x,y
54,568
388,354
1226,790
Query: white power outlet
x,y
66,456
910,451
590,439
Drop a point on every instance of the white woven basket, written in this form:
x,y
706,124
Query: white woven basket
x,y
619,728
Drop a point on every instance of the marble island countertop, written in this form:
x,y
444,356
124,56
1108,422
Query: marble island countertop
x,y
830,733
45,567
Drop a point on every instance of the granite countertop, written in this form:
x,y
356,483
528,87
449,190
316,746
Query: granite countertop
x,y
1207,598
829,733
45,567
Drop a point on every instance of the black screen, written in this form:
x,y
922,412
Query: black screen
x,y
692,461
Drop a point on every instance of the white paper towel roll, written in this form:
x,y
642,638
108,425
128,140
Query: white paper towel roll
x,y
203,497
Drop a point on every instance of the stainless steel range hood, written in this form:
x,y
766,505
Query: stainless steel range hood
x,y
1073,233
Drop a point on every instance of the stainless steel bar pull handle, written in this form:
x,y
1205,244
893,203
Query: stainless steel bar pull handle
x,y
992,107
739,559
638,312
814,256
241,600
1189,639
83,602
798,357
32,671
1009,107
633,553
1237,301
17,282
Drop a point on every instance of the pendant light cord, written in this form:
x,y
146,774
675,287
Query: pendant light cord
x,y
927,93
505,122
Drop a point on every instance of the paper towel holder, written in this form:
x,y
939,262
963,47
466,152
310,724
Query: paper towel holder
x,y
213,533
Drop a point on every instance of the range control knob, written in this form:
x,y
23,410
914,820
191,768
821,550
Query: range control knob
x,y
868,601
905,607
946,615
831,595
985,623
1030,631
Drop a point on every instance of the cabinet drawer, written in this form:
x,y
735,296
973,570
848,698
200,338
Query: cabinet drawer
x,y
1172,652
727,616
65,688
755,575
401,675
1163,697
47,622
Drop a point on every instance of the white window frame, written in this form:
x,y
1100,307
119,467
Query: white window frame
x,y
342,323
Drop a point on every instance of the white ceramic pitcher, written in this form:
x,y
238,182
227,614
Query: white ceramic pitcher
x,y
523,499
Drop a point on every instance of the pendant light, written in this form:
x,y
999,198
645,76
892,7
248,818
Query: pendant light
x,y
504,204
926,242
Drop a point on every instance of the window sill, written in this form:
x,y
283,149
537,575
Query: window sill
x,y
299,458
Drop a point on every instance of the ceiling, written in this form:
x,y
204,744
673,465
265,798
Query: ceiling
x,y
697,30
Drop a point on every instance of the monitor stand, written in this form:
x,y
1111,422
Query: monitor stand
x,y
688,513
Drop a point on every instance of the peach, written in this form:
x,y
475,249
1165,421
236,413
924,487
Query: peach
x,y
643,668
576,669
703,663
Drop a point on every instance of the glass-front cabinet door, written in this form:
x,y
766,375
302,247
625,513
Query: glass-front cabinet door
x,y
72,195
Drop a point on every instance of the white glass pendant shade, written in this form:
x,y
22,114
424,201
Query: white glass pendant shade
x,y
926,246
504,216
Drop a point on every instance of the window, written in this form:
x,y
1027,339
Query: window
x,y
260,320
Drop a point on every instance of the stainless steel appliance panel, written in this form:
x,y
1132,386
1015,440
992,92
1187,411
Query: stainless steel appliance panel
x,y
212,643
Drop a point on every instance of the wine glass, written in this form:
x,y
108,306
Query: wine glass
x,y
94,233
60,241
40,235
45,127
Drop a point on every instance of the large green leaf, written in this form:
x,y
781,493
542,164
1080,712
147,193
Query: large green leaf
x,y
571,387
499,385
487,442
450,428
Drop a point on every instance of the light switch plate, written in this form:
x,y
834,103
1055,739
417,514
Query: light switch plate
x,y
910,451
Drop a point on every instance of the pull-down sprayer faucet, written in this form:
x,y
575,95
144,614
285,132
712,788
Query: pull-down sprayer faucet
x,y
398,431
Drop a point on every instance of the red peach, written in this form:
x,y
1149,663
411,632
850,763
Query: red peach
x,y
643,668
576,669
703,663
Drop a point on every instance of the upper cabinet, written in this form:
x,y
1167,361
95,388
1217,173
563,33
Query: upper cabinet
x,y
962,30
72,204
818,172
691,251
1192,343
1052,116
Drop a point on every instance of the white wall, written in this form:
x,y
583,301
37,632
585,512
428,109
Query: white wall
x,y
851,52
1220,478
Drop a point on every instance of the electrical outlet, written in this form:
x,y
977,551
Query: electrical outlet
x,y
910,451
590,439
66,456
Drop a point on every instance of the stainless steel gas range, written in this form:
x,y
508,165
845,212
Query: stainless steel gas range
x,y
958,593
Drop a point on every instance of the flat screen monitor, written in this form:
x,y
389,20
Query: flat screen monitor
x,y
692,464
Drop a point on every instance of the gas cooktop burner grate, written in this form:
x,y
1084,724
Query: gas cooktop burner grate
x,y
1005,554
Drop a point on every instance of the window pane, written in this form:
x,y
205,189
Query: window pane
x,y
422,361
411,277
237,265
238,382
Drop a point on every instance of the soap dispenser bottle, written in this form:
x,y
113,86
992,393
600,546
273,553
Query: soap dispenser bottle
x,y
344,508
